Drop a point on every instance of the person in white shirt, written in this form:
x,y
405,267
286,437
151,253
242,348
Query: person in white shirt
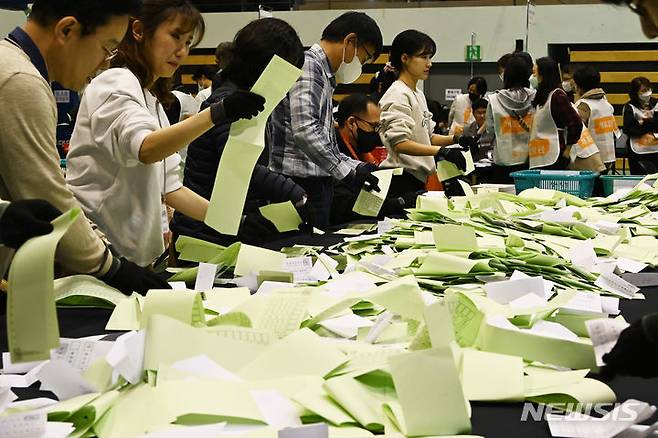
x,y
203,78
123,165
461,110
407,128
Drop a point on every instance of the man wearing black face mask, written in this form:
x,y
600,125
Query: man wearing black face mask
x,y
357,132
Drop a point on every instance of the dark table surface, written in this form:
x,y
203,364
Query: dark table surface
x,y
492,420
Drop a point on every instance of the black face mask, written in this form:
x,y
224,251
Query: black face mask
x,y
366,141
474,97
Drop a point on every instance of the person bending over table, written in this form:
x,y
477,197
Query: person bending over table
x,y
123,165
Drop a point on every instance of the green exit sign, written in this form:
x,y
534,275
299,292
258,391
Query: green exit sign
x,y
473,53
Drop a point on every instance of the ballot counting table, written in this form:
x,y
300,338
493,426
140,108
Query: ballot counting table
x,y
491,420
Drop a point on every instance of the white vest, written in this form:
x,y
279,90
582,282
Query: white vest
x,y
463,111
511,147
586,146
544,146
648,143
602,127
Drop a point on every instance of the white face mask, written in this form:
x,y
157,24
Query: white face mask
x,y
646,96
349,72
566,86
534,82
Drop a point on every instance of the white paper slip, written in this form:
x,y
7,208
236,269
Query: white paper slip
x,y
351,282
346,326
324,268
278,410
559,216
383,320
23,425
320,430
80,353
629,265
267,287
582,255
178,285
604,334
302,264
19,368
548,285
203,366
610,305
6,397
63,380
509,290
606,227
527,301
585,303
127,357
617,285
55,429
384,226
553,330
362,238
205,277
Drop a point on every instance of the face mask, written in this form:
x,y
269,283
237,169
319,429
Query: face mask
x,y
349,72
534,82
645,97
366,141
566,86
474,97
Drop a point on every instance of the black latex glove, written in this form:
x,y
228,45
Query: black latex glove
x,y
364,178
239,105
467,142
302,209
25,219
453,155
257,227
129,277
633,354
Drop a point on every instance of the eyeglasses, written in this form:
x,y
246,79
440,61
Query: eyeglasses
x,y
376,126
370,57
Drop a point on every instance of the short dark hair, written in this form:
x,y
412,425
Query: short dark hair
x,y
412,43
480,84
527,58
634,89
516,73
90,13
209,71
255,45
550,79
352,105
365,28
222,53
480,103
502,61
567,68
587,78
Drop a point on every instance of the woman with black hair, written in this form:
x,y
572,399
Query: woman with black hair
x,y
556,124
508,121
640,124
407,126
251,51
461,111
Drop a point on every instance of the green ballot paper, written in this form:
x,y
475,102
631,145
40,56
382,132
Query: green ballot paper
x,y
32,328
430,393
283,215
245,144
447,170
368,203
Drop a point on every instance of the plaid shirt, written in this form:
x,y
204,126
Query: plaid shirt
x,y
302,140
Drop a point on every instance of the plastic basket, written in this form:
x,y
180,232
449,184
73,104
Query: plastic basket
x,y
577,183
611,183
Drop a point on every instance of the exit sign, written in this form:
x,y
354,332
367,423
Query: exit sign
x,y
473,53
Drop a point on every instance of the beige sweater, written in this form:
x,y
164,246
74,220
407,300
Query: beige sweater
x,y
405,117
29,161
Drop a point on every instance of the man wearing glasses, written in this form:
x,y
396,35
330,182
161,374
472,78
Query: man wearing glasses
x,y
64,41
302,141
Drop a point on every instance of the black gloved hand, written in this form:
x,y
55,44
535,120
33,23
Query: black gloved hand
x,y
453,155
239,105
25,219
633,354
129,277
257,228
364,178
467,142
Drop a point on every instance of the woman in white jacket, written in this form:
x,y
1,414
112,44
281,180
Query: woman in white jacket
x,y
407,125
123,165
